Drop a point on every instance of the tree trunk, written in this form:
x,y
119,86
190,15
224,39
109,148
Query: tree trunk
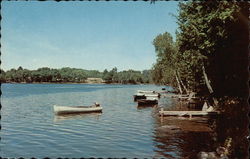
x,y
210,89
185,88
178,82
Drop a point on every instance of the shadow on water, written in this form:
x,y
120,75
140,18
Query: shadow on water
x,y
74,116
181,137
149,106
184,136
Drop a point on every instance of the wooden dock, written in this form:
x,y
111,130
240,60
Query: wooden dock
x,y
186,113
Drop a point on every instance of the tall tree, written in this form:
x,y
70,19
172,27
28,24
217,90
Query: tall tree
x,y
209,40
163,71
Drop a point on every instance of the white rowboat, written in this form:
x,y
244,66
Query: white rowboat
x,y
147,101
141,91
76,109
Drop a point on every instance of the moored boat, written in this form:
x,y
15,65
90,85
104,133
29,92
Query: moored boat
x,y
144,94
148,93
147,101
139,96
77,109
141,91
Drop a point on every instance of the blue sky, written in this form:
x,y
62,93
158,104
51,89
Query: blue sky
x,y
87,35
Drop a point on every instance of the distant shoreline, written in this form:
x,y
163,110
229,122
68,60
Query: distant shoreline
x,y
73,83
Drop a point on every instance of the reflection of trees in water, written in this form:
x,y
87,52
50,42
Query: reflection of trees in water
x,y
169,103
179,137
182,137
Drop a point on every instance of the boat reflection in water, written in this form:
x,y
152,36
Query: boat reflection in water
x,y
147,106
176,137
72,116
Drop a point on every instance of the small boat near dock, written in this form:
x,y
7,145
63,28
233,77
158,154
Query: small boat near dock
x,y
77,109
147,101
139,96
144,94
148,92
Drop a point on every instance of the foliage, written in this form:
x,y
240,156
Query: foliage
x,y
75,75
209,36
212,35
111,76
212,52
2,75
128,76
164,69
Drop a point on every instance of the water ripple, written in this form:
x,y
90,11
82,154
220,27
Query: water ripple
x,y
31,129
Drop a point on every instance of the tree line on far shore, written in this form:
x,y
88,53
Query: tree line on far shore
x,y
73,75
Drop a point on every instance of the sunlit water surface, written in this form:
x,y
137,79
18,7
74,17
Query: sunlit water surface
x,y
30,128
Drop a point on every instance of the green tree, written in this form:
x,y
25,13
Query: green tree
x,y
164,71
110,76
147,76
209,41
2,76
67,74
11,75
45,74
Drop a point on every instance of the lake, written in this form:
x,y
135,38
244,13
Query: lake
x,y
31,129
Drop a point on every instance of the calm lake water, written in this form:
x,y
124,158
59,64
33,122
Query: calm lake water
x,y
30,128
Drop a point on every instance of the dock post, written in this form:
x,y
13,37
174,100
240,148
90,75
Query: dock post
x,y
190,116
161,112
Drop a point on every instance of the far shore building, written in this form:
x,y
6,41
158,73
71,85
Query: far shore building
x,y
95,80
